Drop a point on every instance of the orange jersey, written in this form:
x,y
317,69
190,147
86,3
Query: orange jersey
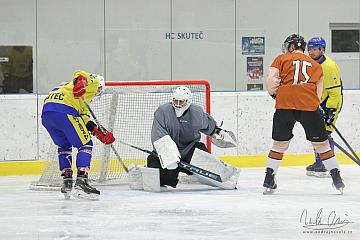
x,y
299,76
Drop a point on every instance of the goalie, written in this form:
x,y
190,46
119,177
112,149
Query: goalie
x,y
176,134
67,120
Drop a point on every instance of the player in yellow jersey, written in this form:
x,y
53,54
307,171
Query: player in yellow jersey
x,y
331,99
66,118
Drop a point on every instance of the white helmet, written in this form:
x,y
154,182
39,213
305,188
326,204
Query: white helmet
x,y
101,85
101,81
181,100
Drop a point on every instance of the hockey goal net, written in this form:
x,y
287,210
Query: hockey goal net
x,y
126,109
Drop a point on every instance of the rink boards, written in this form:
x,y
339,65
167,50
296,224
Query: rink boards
x,y
246,161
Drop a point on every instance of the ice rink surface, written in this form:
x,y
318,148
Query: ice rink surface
x,y
189,214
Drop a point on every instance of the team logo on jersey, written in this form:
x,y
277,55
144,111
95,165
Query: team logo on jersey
x,y
84,132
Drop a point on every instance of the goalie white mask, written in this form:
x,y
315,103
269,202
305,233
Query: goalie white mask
x,y
181,100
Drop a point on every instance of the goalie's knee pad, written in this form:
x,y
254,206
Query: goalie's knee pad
x,y
84,155
65,157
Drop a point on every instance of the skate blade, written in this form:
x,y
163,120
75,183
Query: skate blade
x,y
82,195
341,190
318,174
268,191
322,174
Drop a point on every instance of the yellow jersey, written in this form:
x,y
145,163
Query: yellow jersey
x,y
332,90
61,98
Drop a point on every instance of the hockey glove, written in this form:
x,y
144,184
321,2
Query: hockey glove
x,y
79,86
329,115
106,137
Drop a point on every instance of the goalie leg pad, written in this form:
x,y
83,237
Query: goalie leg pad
x,y
228,173
230,184
142,178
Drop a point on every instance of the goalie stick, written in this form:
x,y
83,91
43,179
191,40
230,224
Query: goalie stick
x,y
103,131
181,164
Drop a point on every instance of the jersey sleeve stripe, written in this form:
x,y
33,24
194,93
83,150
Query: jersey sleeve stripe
x,y
337,86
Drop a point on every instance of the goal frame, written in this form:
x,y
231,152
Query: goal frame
x,y
171,82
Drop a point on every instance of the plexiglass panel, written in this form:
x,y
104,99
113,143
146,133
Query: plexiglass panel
x,y
135,42
318,18
70,37
17,45
203,41
261,28
229,42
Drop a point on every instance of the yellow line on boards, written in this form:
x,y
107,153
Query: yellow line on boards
x,y
245,161
21,168
251,161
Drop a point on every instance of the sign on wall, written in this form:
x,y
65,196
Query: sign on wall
x,y
255,73
253,45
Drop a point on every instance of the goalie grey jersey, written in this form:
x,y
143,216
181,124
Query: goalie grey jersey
x,y
185,130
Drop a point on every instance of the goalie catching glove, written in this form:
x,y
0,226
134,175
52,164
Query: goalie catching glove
x,y
223,138
104,136
168,152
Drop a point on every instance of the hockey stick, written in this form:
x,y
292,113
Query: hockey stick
x,y
102,130
346,143
182,164
344,151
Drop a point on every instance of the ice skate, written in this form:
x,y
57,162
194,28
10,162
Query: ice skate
x,y
337,180
317,170
83,190
67,183
269,182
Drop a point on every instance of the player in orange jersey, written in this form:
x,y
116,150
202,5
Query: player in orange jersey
x,y
295,80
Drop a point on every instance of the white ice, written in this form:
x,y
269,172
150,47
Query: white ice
x,y
183,214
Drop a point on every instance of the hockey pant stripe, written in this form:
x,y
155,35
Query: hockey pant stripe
x,y
65,157
84,155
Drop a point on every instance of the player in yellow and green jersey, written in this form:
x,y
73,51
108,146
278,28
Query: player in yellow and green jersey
x,y
331,99
66,118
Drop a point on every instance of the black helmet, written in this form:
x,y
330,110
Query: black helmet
x,y
295,39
